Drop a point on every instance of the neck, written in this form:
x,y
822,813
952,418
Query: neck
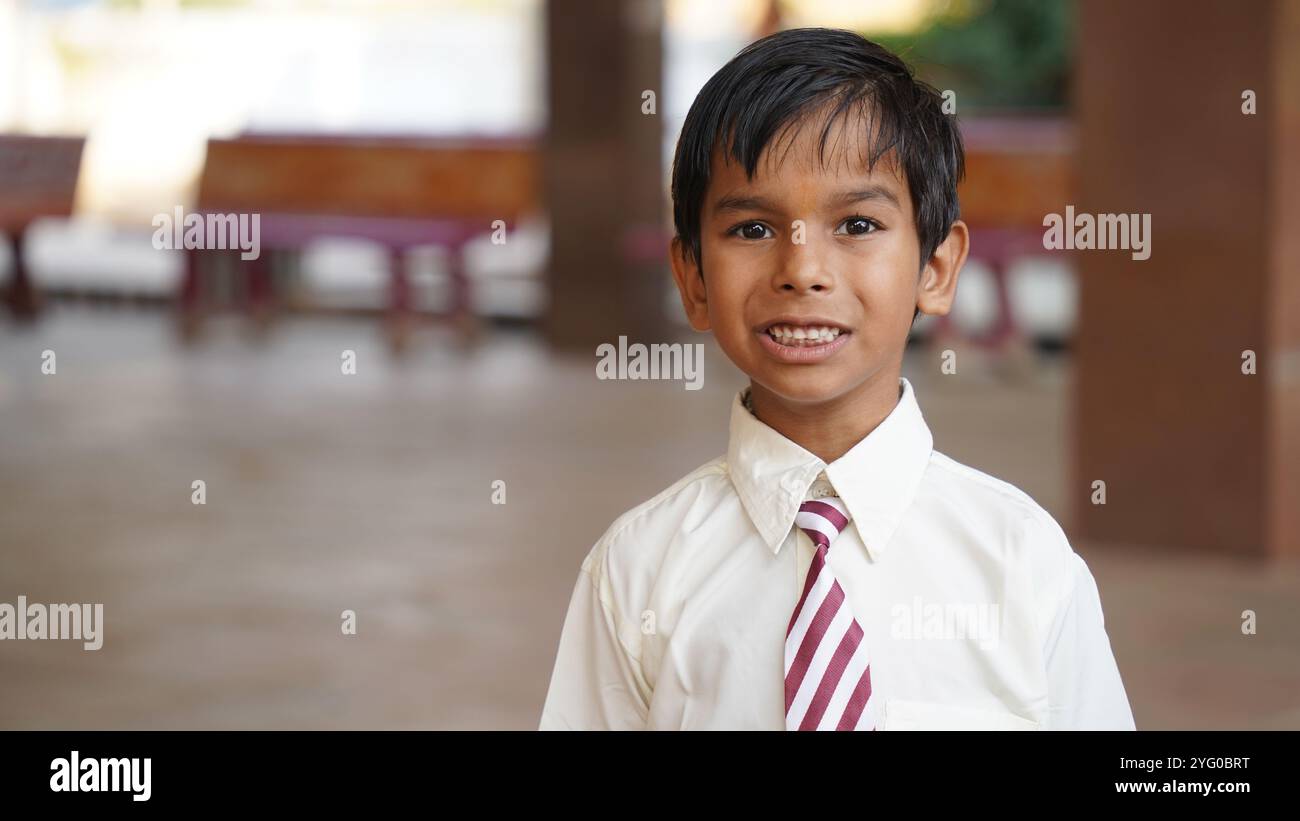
x,y
831,428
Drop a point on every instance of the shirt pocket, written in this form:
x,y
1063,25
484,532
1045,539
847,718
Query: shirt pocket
x,y
902,714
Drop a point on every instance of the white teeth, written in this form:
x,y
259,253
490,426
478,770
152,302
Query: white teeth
x,y
799,335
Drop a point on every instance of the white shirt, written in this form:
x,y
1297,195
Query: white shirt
x,y
976,611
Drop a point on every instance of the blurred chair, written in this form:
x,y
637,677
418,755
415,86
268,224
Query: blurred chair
x,y
398,192
38,178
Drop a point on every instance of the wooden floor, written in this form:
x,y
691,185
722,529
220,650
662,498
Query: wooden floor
x,y
373,493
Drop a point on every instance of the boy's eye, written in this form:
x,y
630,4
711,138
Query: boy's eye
x,y
752,230
858,225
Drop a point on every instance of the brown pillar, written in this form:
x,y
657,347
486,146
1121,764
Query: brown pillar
x,y
1194,453
604,182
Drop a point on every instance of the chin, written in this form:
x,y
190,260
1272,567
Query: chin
x,y
810,389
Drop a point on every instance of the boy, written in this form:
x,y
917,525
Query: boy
x,y
832,571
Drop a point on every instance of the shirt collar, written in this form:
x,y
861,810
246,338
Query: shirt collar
x,y
877,478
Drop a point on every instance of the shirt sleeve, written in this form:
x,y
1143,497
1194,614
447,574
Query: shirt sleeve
x,y
1084,686
597,683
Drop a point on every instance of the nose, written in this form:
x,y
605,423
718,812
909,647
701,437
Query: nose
x,y
803,270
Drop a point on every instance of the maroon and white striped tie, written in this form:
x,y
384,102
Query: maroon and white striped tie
x,y
827,675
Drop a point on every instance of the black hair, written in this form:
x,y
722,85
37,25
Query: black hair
x,y
782,79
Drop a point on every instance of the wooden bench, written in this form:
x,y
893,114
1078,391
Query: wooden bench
x,y
1018,170
398,192
38,178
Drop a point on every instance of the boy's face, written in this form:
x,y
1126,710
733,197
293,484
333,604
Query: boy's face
x,y
828,251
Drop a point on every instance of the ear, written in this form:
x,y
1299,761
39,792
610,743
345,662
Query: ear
x,y
690,285
938,283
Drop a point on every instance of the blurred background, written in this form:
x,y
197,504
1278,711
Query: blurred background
x,y
470,196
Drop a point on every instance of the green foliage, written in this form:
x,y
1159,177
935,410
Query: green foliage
x,y
996,53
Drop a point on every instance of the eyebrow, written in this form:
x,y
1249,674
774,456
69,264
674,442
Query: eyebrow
x,y
736,202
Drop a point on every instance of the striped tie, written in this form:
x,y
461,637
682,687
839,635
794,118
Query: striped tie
x,y
827,677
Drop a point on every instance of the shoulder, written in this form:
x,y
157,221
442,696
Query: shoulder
x,y
966,485
638,534
1025,533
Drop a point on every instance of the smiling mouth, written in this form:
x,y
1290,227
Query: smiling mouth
x,y
804,336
